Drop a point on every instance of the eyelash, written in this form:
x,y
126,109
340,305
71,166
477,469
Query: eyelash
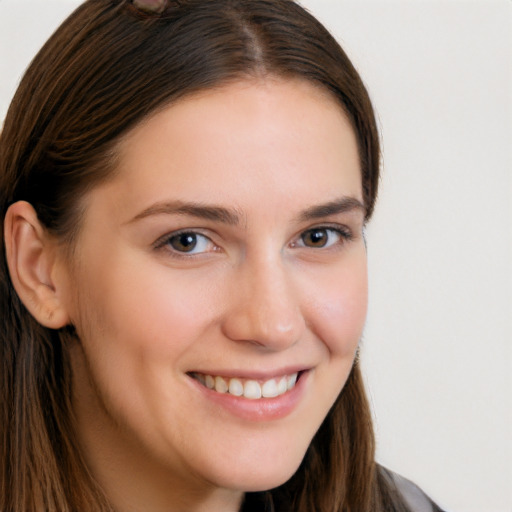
x,y
165,242
344,234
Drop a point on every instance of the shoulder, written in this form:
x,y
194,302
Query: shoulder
x,y
414,497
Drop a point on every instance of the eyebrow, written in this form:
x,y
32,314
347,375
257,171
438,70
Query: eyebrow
x,y
233,217
215,213
341,205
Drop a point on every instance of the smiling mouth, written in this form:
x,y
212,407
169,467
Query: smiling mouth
x,y
248,388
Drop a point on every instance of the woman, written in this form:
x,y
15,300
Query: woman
x,y
184,191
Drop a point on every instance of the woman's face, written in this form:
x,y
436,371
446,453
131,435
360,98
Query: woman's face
x,y
226,252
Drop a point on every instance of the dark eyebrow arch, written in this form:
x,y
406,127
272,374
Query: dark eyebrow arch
x,y
214,213
342,205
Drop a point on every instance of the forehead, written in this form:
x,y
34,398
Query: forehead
x,y
240,143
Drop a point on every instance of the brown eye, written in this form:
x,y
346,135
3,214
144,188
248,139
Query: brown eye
x,y
324,237
316,237
188,242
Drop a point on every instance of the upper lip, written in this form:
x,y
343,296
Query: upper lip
x,y
252,374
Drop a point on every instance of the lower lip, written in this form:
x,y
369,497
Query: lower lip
x,y
261,409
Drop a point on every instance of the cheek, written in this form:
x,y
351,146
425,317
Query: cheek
x,y
175,310
137,324
339,308
142,309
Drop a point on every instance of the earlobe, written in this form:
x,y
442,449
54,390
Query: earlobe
x,y
32,258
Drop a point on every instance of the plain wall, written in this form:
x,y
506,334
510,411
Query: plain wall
x,y
437,347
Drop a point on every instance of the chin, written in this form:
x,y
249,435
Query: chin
x,y
256,475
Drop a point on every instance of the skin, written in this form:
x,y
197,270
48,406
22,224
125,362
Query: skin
x,y
253,296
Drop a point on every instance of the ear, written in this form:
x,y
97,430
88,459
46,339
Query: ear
x,y
33,265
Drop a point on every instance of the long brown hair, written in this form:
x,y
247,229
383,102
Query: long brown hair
x,y
105,69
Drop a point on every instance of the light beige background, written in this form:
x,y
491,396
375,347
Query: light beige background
x,y
437,347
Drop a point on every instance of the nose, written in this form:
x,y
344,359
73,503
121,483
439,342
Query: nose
x,y
264,307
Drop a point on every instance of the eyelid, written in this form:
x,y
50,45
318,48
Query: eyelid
x,y
163,242
344,232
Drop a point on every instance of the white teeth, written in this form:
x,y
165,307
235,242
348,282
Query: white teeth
x,y
209,382
291,381
269,389
236,387
282,386
220,385
251,389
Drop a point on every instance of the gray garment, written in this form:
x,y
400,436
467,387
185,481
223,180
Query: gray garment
x,y
417,500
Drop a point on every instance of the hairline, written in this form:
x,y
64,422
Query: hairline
x,y
108,158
